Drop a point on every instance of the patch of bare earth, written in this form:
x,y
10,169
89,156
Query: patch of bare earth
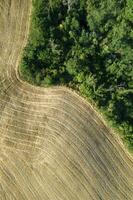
x,y
53,145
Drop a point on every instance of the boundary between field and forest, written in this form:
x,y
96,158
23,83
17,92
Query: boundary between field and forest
x,y
73,78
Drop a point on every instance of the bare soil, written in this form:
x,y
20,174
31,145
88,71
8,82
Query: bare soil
x,y
53,144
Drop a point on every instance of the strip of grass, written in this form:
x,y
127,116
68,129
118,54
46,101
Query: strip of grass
x,y
86,45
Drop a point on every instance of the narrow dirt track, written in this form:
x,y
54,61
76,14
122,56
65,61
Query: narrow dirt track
x,y
53,145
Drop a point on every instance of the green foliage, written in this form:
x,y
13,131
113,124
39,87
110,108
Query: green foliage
x,y
88,46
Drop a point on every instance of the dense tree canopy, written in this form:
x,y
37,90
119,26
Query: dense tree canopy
x,y
87,45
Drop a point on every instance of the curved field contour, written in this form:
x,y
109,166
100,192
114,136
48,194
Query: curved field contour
x,y
53,144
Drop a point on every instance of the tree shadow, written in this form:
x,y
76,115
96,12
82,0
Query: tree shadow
x,y
128,41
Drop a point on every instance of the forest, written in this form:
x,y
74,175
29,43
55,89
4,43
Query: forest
x,y
86,45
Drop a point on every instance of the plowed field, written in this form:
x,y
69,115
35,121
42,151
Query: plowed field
x,y
53,144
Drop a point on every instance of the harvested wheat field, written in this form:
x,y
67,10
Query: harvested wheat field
x,y
53,144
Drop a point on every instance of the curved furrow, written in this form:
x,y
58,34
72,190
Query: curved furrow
x,y
53,144
21,175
